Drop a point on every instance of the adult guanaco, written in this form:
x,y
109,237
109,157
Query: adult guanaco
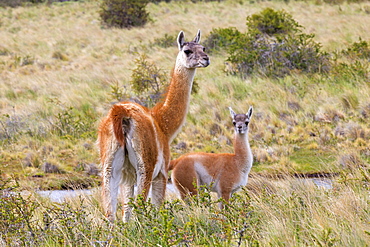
x,y
134,141
223,173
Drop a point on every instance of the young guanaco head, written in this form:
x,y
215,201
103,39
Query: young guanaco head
x,y
241,121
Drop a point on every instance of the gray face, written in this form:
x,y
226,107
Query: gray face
x,y
241,122
194,55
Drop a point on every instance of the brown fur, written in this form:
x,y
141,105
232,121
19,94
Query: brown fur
x,y
134,140
224,173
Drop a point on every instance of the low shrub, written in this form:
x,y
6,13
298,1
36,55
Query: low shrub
x,y
124,13
272,23
360,49
71,122
165,42
148,84
275,47
350,72
16,217
221,38
147,81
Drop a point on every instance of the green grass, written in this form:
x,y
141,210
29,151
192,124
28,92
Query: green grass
x,y
58,85
58,71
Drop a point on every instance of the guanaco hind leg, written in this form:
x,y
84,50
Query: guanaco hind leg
x,y
158,189
112,177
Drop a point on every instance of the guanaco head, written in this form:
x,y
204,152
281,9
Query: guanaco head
x,y
241,121
192,54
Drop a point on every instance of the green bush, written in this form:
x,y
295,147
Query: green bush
x,y
147,81
272,23
274,46
124,13
16,217
165,42
356,71
147,85
221,38
360,49
71,122
352,63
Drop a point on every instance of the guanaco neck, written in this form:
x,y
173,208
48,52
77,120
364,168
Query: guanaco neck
x,y
243,153
170,114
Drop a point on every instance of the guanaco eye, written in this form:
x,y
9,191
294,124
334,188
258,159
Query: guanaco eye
x,y
234,123
187,52
246,123
204,49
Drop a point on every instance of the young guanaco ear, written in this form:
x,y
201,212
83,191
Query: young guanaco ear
x,y
249,113
180,40
232,113
197,37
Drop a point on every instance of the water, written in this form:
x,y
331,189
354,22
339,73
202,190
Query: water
x,y
324,183
60,196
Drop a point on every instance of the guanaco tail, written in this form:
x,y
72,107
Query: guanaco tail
x,y
134,141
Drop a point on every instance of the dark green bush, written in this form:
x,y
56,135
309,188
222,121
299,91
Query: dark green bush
x,y
272,23
124,13
221,38
274,46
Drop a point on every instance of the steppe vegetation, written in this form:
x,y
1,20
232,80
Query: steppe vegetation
x,y
61,70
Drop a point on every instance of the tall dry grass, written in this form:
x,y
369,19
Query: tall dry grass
x,y
289,212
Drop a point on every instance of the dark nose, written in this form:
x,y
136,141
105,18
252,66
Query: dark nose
x,y
206,58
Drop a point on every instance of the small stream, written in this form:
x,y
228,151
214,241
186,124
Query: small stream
x,y
60,196
324,183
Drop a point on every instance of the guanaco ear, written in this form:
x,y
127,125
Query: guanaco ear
x,y
232,113
180,40
197,37
249,113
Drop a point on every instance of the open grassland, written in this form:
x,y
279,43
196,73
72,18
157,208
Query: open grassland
x,y
60,71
